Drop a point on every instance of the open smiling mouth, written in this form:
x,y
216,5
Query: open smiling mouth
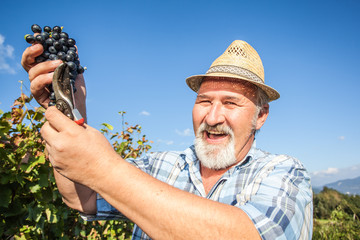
x,y
215,137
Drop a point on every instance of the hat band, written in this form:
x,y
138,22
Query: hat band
x,y
237,71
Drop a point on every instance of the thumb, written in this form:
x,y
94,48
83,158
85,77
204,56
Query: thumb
x,y
59,121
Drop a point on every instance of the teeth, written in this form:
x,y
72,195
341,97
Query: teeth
x,y
217,133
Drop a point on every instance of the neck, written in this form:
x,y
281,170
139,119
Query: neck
x,y
245,149
211,176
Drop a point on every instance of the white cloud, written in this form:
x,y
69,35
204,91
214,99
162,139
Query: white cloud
x,y
6,54
185,133
331,174
342,138
328,171
2,39
331,171
355,168
144,113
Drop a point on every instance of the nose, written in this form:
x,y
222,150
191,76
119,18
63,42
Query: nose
x,y
215,115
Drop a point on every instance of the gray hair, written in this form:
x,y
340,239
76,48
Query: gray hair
x,y
262,99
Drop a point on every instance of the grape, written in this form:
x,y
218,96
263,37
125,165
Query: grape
x,y
61,55
39,38
57,45
53,57
57,29
47,29
71,42
81,69
36,28
63,41
56,35
40,59
69,58
72,48
29,38
49,41
45,35
72,53
52,49
72,66
46,54
64,35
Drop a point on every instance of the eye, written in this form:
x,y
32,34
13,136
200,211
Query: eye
x,y
230,103
205,102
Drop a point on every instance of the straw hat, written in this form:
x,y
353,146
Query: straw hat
x,y
239,61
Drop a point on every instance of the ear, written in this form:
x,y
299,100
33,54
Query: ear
x,y
263,114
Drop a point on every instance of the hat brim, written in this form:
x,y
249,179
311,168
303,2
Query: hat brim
x,y
194,83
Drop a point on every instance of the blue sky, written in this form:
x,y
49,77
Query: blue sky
x,y
138,54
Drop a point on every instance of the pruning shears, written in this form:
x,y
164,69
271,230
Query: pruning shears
x,y
64,94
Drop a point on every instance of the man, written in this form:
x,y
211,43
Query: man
x,y
223,187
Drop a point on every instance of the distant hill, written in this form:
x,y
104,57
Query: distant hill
x,y
317,189
346,186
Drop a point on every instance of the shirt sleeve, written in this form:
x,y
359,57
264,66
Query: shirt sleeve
x,y
279,200
104,210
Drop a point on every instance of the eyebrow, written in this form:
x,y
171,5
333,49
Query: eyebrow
x,y
233,98
202,96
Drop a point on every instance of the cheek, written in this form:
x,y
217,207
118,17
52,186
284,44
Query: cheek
x,y
197,117
241,120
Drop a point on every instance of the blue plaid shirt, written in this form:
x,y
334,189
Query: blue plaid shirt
x,y
273,190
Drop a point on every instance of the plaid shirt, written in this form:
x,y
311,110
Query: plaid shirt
x,y
273,190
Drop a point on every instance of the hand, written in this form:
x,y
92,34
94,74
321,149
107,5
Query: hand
x,y
78,153
41,74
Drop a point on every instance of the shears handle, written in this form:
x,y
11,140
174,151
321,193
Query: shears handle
x,y
64,94
77,117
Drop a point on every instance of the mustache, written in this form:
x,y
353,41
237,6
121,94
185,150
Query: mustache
x,y
223,129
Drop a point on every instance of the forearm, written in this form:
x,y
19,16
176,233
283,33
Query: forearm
x,y
76,196
165,212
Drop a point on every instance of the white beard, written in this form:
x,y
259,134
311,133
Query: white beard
x,y
212,156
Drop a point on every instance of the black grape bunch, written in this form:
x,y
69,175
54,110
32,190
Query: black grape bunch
x,y
57,45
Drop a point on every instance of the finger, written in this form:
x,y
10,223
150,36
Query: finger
x,y
29,55
77,50
48,133
46,151
43,68
41,82
59,121
39,88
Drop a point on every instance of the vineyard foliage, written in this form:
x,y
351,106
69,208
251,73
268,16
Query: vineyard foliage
x,y
336,215
31,206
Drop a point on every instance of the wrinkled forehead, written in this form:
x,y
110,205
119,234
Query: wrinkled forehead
x,y
228,84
